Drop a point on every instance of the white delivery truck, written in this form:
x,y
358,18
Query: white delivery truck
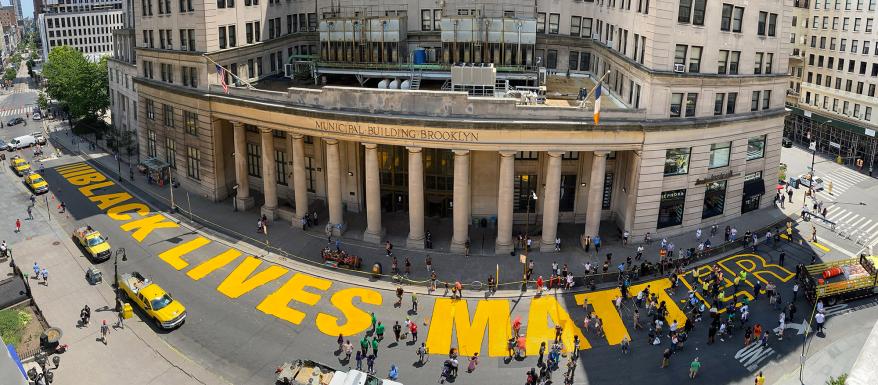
x,y
20,142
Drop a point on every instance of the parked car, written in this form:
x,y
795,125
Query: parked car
x,y
158,304
95,245
15,121
19,165
807,179
36,183
41,139
37,114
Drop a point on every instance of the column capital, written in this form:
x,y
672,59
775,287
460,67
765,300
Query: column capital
x,y
555,154
414,149
236,123
265,130
601,153
330,141
370,146
460,152
296,135
507,153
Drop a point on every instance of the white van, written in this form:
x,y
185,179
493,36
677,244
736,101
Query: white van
x,y
23,141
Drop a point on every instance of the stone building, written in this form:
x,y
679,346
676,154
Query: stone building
x,y
364,109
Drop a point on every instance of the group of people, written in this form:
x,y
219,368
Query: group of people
x,y
309,220
370,343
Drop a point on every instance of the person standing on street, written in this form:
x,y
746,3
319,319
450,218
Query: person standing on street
x,y
666,358
18,225
473,362
693,368
820,319
760,379
397,330
45,274
121,323
414,303
795,292
422,353
30,213
105,331
359,359
348,350
781,257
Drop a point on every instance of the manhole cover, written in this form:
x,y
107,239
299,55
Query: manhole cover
x,y
56,243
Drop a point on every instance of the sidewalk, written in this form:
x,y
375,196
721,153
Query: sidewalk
x,y
134,349
293,243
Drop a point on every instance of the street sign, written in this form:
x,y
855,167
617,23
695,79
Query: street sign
x,y
522,258
833,144
812,146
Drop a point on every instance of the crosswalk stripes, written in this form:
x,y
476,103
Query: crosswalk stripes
x,y
17,111
852,225
753,354
842,179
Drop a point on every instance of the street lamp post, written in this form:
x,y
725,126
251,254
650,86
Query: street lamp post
x,y
171,187
120,251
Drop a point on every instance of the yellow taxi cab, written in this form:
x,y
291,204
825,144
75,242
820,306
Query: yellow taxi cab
x,y
36,183
167,312
19,165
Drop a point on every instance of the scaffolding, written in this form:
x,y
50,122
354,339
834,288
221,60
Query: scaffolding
x,y
848,144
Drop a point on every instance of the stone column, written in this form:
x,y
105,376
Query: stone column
x,y
269,175
300,189
504,244
551,201
373,232
633,177
243,200
461,201
416,198
333,187
595,194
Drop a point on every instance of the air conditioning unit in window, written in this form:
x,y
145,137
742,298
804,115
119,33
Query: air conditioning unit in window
x,y
596,36
610,43
679,68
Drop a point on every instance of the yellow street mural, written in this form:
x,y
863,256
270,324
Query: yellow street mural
x,y
756,268
461,324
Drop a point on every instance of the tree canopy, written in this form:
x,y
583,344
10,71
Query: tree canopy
x,y
78,84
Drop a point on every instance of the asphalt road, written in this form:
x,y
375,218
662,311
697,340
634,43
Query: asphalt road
x,y
233,332
244,342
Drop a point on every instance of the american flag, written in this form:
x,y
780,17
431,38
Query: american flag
x,y
220,72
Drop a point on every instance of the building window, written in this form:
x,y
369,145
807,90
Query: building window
x,y
150,143
691,104
575,25
677,161
552,59
714,199
694,12
719,154
728,62
254,160
732,18
766,99
756,147
280,163
570,155
527,155
524,186
671,205
310,174
695,59
168,115
568,193
190,119
754,101
719,103
171,152
150,109
426,19
554,21
676,105
541,22
193,163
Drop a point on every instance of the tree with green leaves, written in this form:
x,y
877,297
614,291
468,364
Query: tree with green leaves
x,y
840,380
42,101
79,85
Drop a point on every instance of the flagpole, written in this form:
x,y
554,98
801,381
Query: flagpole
x,y
590,93
235,76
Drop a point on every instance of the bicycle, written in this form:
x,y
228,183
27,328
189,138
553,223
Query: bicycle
x,y
476,285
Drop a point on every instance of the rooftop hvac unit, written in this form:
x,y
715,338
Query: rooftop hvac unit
x,y
679,68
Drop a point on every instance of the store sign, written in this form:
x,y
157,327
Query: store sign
x,y
608,191
833,144
870,132
715,177
355,128
673,195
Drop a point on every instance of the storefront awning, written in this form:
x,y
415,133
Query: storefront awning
x,y
754,187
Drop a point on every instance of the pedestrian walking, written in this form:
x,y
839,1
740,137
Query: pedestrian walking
x,y
370,364
558,244
795,292
626,345
45,274
18,225
542,353
375,347
413,328
105,331
428,262
63,207
698,234
625,235
473,362
397,330
374,321
359,359
340,341
30,213
693,368
36,270
422,353
666,358
348,350
379,331
819,318
781,258
760,379
121,323
364,345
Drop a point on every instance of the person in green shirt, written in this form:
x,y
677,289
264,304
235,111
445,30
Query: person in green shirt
x,y
364,345
374,320
379,330
375,346
693,367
